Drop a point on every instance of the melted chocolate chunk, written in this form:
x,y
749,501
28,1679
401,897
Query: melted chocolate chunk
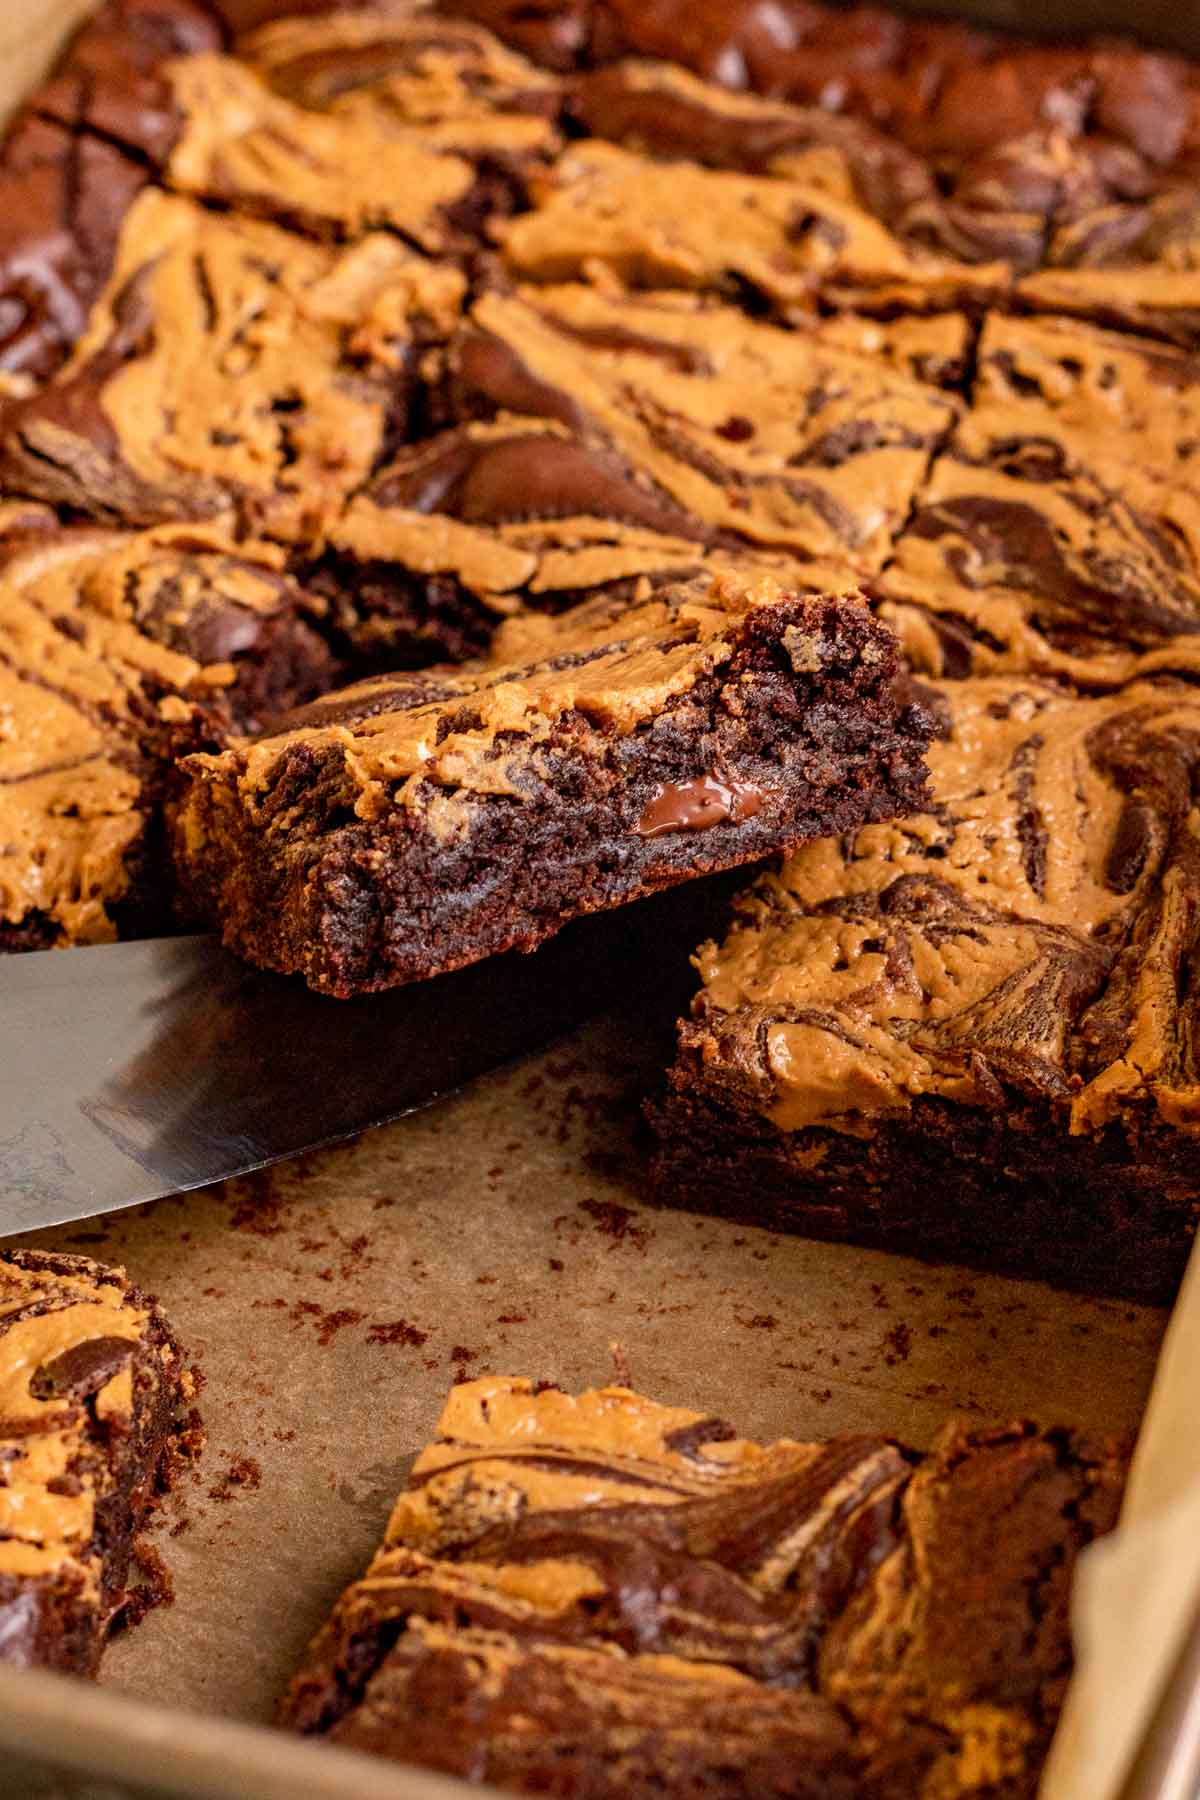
x,y
695,805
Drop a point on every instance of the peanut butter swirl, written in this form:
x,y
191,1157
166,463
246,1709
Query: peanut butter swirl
x,y
1059,533
1022,942
115,649
633,1588
62,1337
229,367
603,439
677,225
460,86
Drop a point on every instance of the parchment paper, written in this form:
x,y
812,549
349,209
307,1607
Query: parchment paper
x,y
330,1304
1136,1592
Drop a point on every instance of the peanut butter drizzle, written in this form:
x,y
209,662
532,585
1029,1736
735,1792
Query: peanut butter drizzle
x,y
867,1009
677,225
42,1530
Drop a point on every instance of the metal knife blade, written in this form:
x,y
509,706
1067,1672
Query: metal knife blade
x,y
128,1071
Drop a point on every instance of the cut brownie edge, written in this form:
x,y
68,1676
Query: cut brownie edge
x,y
751,757
93,1389
988,1193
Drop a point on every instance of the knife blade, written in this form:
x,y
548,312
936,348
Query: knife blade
x,y
129,1071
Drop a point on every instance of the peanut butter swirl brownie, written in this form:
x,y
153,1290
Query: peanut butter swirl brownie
x,y
414,824
1000,986
1060,531
602,1594
591,440
118,650
229,368
91,1386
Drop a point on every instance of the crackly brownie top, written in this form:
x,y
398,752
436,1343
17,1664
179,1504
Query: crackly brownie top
x,y
1060,530
69,1334
1023,939
109,642
425,742
631,1584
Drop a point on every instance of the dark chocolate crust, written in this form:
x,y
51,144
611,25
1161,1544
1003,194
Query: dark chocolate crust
x,y
1000,988
701,730
603,1595
94,1387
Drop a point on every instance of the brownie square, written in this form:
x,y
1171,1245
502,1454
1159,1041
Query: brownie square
x,y
592,441
116,651
93,1387
411,825
229,367
1060,531
969,1035
602,1594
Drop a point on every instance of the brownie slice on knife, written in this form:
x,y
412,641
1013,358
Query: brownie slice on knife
x,y
601,1595
416,823
91,1390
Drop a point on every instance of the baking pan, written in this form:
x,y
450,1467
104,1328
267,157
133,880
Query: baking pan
x,y
331,1301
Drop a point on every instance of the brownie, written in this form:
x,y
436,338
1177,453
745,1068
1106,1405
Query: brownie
x,y
93,1387
945,90
1060,531
229,367
118,650
785,241
1077,159
604,1595
969,1035
590,441
411,825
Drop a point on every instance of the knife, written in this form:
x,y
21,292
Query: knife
x,y
128,1071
